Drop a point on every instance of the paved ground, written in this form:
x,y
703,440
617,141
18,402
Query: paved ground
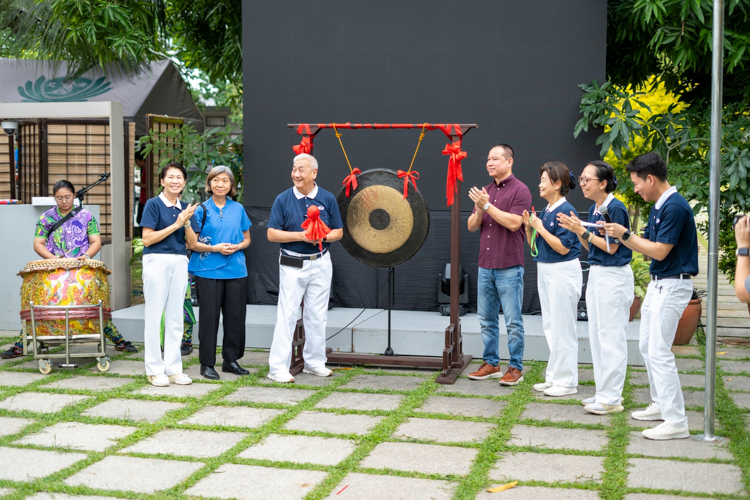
x,y
362,434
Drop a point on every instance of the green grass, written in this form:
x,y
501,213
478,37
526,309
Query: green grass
x,y
612,486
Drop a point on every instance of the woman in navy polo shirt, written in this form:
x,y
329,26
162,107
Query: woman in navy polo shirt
x,y
559,279
164,270
609,292
218,264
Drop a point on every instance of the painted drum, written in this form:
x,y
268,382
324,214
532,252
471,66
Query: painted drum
x,y
64,282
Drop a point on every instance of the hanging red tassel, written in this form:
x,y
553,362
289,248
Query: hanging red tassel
x,y
408,176
351,181
315,229
454,169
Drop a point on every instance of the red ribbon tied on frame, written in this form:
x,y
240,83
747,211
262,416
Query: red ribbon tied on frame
x,y
315,229
303,147
408,176
454,169
351,181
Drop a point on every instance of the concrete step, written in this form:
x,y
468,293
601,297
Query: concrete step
x,y
730,306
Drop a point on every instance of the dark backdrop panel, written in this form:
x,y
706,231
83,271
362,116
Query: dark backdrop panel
x,y
512,67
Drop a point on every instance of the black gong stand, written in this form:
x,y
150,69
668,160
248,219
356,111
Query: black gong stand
x,y
391,301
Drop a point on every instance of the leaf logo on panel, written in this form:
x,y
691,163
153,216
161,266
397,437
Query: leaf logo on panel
x,y
63,90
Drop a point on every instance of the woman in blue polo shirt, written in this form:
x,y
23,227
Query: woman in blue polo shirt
x,y
559,279
218,264
609,292
165,261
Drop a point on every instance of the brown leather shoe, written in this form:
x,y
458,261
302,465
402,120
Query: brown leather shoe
x,y
486,371
512,376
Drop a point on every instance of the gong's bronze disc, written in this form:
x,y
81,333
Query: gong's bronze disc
x,y
381,228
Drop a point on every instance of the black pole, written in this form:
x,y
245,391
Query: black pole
x,y
391,298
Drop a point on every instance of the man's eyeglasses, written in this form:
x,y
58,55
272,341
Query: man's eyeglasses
x,y
585,180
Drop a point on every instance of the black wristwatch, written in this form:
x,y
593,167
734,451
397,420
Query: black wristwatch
x,y
743,251
586,235
626,236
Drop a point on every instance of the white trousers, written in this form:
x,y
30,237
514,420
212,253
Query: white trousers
x,y
313,284
661,311
609,294
559,286
164,286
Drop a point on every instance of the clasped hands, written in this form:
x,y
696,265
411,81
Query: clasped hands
x,y
479,197
533,222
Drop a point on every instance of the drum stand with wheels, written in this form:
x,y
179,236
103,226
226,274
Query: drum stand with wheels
x,y
43,355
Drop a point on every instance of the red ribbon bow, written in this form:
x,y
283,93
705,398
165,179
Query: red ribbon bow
x,y
351,181
454,169
303,147
315,229
413,176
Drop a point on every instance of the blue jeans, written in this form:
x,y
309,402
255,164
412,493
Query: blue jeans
x,y
498,287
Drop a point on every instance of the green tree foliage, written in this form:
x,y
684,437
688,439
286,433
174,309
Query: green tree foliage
x,y
671,39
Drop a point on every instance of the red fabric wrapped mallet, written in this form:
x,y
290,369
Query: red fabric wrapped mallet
x,y
315,229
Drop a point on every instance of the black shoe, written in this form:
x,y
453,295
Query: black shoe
x,y
233,367
186,349
124,345
209,372
13,352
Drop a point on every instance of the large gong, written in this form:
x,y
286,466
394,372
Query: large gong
x,y
381,228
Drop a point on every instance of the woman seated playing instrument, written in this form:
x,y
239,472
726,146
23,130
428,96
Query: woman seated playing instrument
x,y
77,237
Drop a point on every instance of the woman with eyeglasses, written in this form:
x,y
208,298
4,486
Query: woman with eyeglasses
x,y
609,292
77,238
559,279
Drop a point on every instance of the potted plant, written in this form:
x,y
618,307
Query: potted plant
x,y
641,279
688,323
136,272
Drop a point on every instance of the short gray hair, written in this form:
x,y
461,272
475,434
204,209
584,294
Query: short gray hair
x,y
221,169
310,158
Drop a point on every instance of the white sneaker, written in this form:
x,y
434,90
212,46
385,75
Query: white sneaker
x,y
159,380
542,387
667,431
603,409
320,371
283,378
180,379
651,413
560,390
589,401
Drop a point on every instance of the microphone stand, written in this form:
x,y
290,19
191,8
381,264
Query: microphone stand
x,y
102,177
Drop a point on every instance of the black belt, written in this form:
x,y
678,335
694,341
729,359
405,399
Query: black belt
x,y
314,256
683,276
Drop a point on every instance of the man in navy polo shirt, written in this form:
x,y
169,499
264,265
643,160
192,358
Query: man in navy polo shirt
x,y
304,270
670,240
498,209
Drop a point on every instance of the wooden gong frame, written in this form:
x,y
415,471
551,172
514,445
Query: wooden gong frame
x,y
454,361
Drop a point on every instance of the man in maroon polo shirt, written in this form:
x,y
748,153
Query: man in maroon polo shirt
x,y
497,213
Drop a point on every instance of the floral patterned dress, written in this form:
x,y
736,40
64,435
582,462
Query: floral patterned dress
x,y
71,240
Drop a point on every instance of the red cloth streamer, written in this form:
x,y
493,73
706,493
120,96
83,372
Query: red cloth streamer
x,y
303,147
454,169
315,229
351,181
408,176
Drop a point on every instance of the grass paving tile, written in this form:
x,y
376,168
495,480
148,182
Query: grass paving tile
x,y
13,425
687,448
563,413
133,474
78,436
64,496
179,391
126,368
736,383
443,431
424,458
467,386
380,487
735,366
93,383
584,392
38,402
187,443
741,399
18,379
650,496
300,449
132,409
557,438
18,464
360,401
233,416
384,382
333,423
685,476
279,395
524,466
250,482
540,492
466,407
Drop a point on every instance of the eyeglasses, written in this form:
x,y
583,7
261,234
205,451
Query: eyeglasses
x,y
64,198
585,180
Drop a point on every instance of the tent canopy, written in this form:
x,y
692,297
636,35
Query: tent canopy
x,y
157,89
